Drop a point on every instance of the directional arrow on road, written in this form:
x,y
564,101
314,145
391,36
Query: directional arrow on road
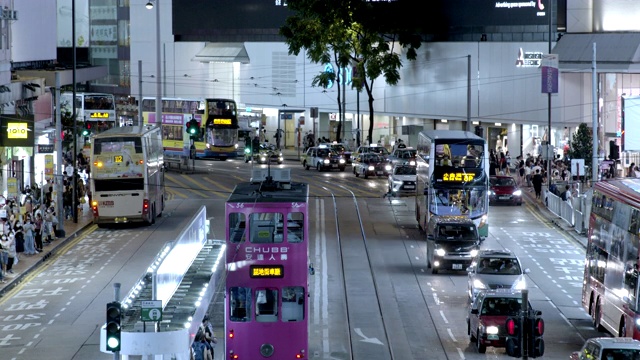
x,y
367,339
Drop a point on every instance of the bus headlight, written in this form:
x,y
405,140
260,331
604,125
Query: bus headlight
x,y
236,146
208,145
440,252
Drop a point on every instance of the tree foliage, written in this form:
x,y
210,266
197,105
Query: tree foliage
x,y
348,33
582,145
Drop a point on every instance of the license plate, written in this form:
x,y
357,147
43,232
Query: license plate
x,y
504,197
378,172
409,187
334,165
456,266
493,337
107,203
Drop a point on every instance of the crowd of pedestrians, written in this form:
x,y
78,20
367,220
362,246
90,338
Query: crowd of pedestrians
x,y
30,222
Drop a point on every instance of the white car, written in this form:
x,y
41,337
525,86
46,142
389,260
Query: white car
x,y
604,348
495,269
402,180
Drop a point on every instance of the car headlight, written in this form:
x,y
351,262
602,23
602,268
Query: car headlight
x,y
397,182
440,252
520,284
517,193
262,158
474,252
341,161
478,284
387,167
412,163
280,158
326,161
236,146
371,168
492,330
491,193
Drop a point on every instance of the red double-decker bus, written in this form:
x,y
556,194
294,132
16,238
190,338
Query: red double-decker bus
x,y
610,286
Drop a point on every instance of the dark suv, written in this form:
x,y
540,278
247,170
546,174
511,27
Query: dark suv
x,y
452,243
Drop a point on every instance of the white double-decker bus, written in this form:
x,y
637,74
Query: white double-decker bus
x,y
453,177
127,179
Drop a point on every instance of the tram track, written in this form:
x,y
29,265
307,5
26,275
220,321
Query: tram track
x,y
389,311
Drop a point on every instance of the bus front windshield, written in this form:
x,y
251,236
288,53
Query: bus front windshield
x,y
222,137
470,202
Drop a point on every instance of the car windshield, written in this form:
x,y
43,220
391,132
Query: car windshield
x,y
338,148
502,182
456,232
325,153
373,158
620,354
407,154
501,306
405,170
376,149
498,266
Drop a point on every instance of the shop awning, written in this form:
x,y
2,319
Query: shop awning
x,y
615,52
223,52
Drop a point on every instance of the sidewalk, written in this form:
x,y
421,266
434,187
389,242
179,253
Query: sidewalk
x,y
555,220
27,264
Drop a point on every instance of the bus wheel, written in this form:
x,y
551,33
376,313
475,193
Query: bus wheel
x,y
623,328
153,214
162,207
596,317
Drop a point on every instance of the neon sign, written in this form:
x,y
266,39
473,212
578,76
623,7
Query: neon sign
x,y
17,131
99,115
457,177
221,121
344,76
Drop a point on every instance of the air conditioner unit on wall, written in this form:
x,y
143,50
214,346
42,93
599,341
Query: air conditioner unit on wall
x,y
14,14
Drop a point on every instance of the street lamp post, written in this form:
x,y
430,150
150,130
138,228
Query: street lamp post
x,y
150,5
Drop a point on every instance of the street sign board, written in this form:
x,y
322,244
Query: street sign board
x,y
151,310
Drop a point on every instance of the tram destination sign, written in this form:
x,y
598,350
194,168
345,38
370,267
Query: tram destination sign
x,y
266,271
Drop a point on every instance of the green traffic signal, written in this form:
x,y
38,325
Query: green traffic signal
x,y
193,127
113,328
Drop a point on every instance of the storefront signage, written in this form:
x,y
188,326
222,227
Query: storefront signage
x,y
99,115
45,149
221,121
17,130
344,75
529,58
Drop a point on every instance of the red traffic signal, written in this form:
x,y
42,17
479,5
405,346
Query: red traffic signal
x,y
513,342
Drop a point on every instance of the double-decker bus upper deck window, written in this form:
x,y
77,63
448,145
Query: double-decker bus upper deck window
x,y
98,102
266,228
295,227
237,227
293,303
171,132
239,304
634,226
266,305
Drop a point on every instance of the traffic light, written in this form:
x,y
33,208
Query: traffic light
x,y
514,337
614,150
479,130
86,130
193,128
113,328
534,337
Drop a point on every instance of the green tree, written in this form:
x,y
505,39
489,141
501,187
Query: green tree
x,y
581,145
348,32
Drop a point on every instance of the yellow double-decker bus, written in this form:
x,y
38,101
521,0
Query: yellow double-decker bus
x,y
217,119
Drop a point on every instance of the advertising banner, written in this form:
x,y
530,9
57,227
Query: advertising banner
x,y
12,188
48,167
550,74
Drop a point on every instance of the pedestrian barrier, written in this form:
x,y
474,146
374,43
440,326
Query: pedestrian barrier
x,y
575,211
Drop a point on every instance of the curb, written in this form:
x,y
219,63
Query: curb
x,y
17,280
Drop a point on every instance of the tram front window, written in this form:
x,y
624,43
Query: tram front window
x,y
293,303
237,226
266,305
266,228
239,303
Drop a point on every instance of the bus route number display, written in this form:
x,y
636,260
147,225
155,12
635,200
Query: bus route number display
x,y
117,158
266,271
457,177
221,121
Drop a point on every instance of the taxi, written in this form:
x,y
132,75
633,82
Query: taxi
x,y
321,157
342,149
373,149
488,314
371,164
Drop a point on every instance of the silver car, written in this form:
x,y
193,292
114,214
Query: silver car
x,y
495,269
402,180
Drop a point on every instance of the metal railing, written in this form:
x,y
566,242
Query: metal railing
x,y
574,211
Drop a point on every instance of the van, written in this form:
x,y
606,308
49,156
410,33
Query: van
x,y
452,243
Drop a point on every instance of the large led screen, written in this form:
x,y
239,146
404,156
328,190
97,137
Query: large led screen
x,y
631,124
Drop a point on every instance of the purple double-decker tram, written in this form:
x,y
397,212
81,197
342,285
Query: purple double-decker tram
x,y
266,302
